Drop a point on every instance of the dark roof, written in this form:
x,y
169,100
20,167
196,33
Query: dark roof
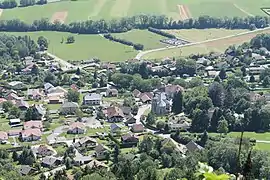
x,y
192,146
100,148
25,169
137,128
49,160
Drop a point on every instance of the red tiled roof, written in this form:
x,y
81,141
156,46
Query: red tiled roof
x,y
79,125
3,135
32,124
30,132
114,111
2,100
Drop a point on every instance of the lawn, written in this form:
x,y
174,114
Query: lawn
x,y
108,9
197,35
257,136
263,146
144,37
85,46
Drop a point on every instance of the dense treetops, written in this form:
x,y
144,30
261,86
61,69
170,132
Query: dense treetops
x,y
136,22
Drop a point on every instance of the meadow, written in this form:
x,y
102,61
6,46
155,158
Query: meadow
x,y
148,39
84,47
197,35
111,9
219,45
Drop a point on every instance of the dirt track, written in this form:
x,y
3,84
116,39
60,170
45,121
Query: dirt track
x,y
59,16
184,12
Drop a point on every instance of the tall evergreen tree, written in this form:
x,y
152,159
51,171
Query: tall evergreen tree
x,y
177,104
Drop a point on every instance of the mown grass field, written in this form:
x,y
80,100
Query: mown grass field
x,y
197,35
84,47
257,136
206,47
148,39
110,9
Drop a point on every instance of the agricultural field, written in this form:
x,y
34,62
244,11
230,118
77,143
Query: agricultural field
x,y
84,47
67,11
197,35
219,45
148,39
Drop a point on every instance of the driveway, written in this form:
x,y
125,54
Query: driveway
x,y
141,111
56,132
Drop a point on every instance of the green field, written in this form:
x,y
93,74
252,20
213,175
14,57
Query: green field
x,y
85,46
197,35
257,136
148,39
219,45
110,9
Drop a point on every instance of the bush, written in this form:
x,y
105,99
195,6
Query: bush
x,y
125,42
162,33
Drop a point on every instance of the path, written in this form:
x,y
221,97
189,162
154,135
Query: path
x,y
64,64
142,53
141,111
244,11
263,141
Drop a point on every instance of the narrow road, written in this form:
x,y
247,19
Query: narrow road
x,y
64,64
142,53
141,111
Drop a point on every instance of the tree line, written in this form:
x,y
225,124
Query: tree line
x,y
162,33
123,41
9,4
135,22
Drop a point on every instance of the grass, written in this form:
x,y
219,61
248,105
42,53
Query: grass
x,y
257,136
107,9
197,35
204,48
263,146
144,37
85,46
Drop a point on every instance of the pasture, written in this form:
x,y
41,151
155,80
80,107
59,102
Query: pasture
x,y
111,9
218,45
148,39
197,35
84,47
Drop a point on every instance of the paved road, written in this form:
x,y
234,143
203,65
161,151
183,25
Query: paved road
x,y
142,53
141,111
64,64
56,132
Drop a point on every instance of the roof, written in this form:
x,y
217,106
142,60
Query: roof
x,y
3,135
34,92
112,91
129,137
126,109
32,124
47,86
83,158
14,120
25,169
137,127
14,132
86,139
171,88
70,105
57,89
114,111
136,93
50,160
192,146
43,148
2,100
100,148
15,83
93,97
78,125
22,103
31,132
145,98
96,164
114,126
39,109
